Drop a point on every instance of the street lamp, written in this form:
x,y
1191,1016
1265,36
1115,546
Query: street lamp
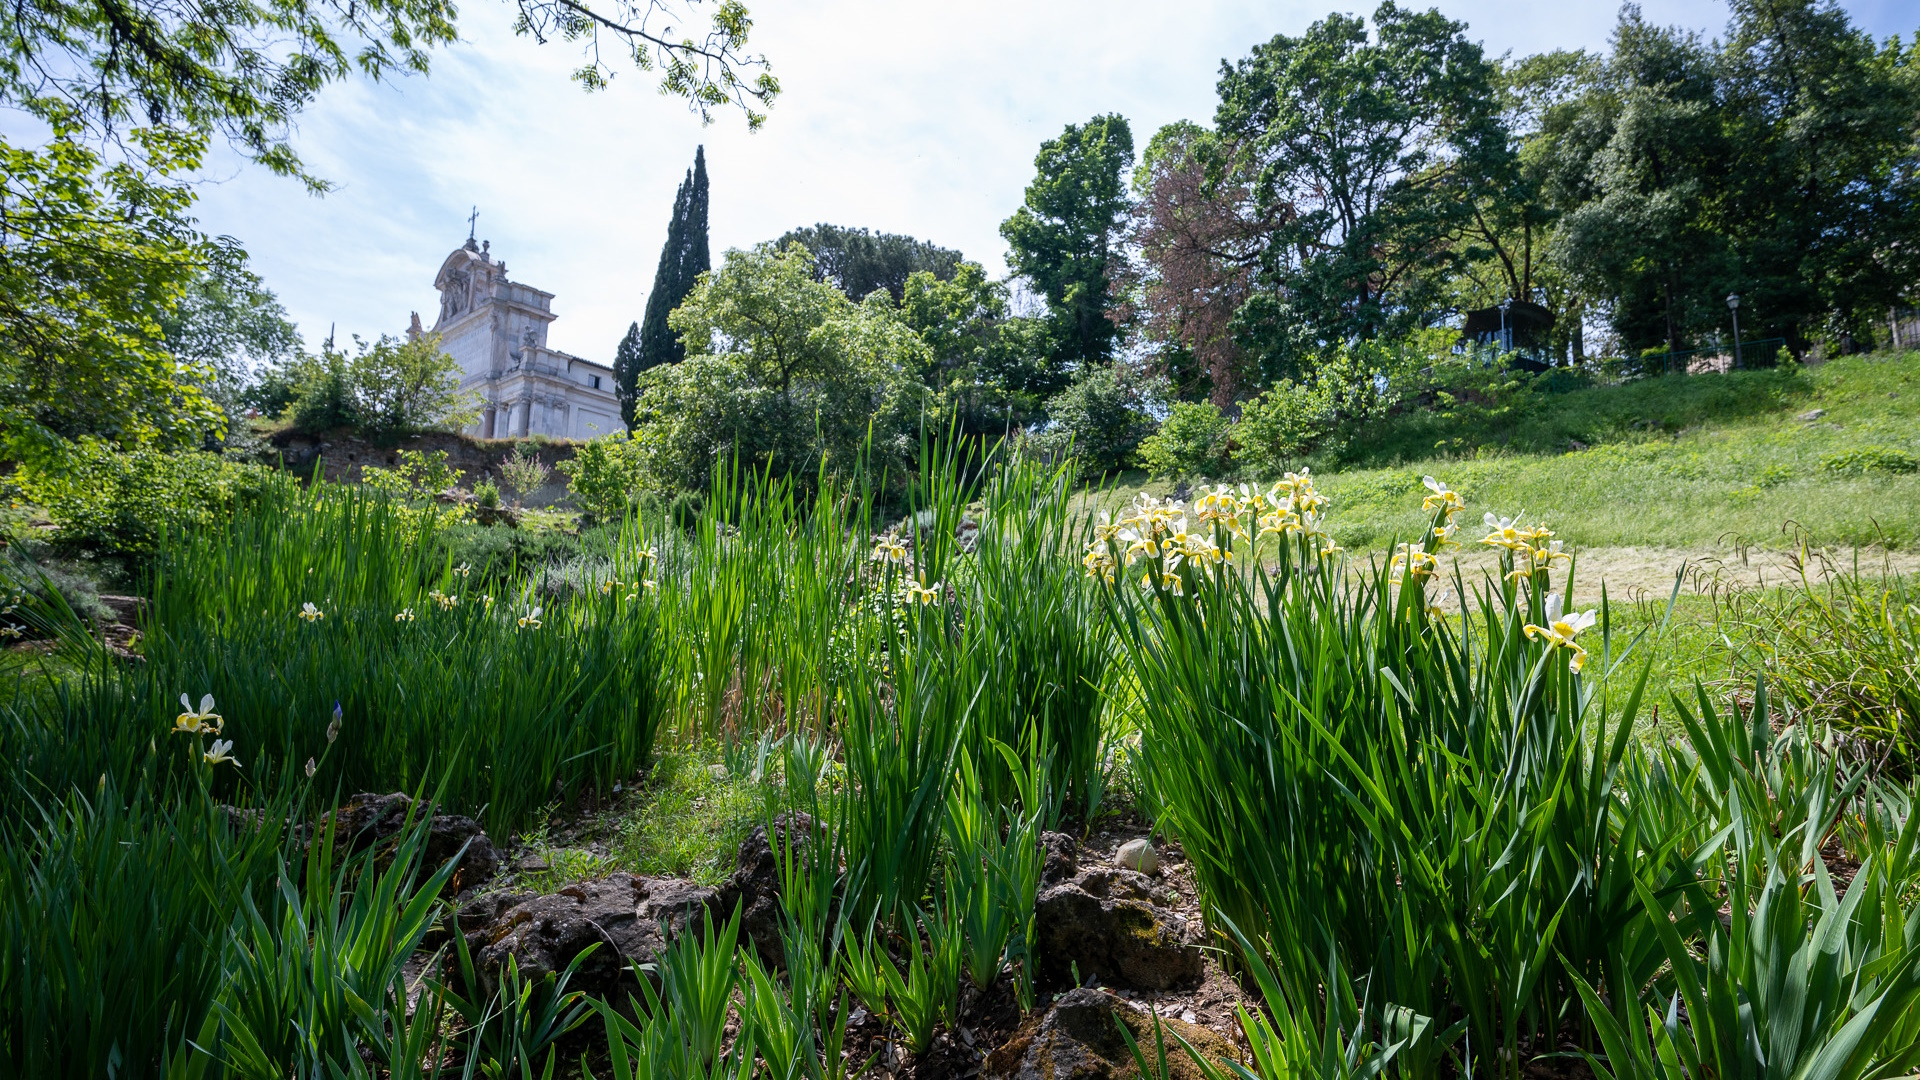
x,y
1506,340
1733,305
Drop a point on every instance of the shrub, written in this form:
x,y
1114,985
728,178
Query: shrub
x,y
109,502
492,552
1103,415
604,477
523,471
1279,426
384,387
1870,459
1192,441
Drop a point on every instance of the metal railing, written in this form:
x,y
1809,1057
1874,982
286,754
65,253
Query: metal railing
x,y
1707,360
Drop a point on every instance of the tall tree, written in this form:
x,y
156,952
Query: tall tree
x,y
1197,240
1369,147
857,261
1825,202
683,258
1063,238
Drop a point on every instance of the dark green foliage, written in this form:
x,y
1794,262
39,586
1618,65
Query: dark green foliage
x,y
1778,163
857,261
683,258
113,911
1103,416
1066,233
500,553
1364,148
109,503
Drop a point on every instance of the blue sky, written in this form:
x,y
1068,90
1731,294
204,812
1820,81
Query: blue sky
x,y
903,117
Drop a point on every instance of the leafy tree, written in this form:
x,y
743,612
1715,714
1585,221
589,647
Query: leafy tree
x,y
1639,166
782,372
1825,198
1063,237
1780,163
229,325
1193,440
984,366
383,387
1101,417
1198,238
683,258
95,259
1367,150
243,70
857,261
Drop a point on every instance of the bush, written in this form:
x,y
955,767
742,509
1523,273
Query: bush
x,y
384,387
1278,427
1870,459
1192,441
492,552
108,502
604,477
1103,415
524,472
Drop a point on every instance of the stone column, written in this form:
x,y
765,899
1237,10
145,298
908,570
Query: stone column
x,y
524,418
486,423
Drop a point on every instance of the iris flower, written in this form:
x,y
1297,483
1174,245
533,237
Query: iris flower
x,y
1561,629
192,721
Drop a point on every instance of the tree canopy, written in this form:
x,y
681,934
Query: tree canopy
x,y
857,261
1064,236
783,372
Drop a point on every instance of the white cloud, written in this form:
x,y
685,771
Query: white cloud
x,y
914,118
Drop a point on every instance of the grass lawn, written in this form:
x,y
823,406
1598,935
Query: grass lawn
x,y
1717,464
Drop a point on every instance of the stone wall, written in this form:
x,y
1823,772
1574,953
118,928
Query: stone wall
x,y
341,454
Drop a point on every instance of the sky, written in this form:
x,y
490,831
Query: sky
x,y
918,118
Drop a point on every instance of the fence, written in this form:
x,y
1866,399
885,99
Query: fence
x,y
1903,326
1708,360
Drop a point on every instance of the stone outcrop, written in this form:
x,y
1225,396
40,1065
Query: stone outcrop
x,y
1107,924
368,820
630,918
1077,1039
755,885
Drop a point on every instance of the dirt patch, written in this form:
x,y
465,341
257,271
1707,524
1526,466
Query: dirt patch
x,y
1634,574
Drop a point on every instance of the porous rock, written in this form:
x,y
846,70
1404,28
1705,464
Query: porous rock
x,y
1105,925
631,918
1076,1039
367,820
1061,859
755,885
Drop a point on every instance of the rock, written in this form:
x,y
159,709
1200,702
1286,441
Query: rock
x,y
369,819
1076,1039
717,773
531,863
1062,861
1106,924
1138,855
755,886
631,918
1813,414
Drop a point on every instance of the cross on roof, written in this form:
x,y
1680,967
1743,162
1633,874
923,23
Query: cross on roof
x,y
472,220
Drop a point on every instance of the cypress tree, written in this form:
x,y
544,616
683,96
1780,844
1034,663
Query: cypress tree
x,y
683,258
626,364
696,259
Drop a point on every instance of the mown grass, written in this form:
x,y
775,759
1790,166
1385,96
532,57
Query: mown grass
x,y
1704,462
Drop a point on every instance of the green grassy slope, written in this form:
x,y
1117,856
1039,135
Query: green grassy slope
x,y
1713,462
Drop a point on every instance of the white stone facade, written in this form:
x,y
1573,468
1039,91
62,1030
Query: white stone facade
x,y
497,330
